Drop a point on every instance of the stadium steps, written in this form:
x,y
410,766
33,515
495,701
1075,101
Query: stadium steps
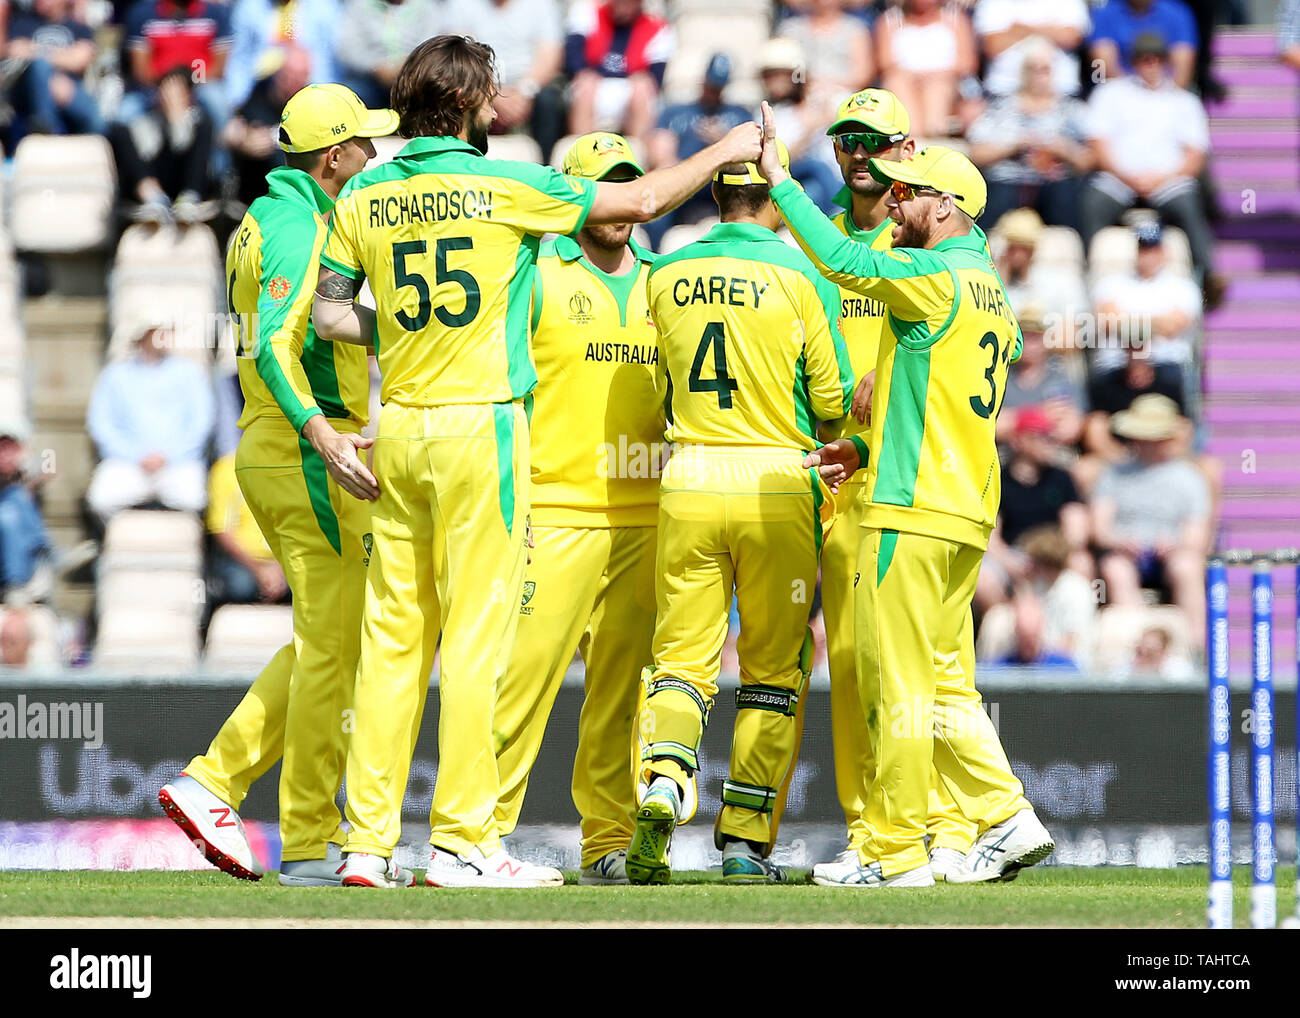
x,y
65,350
1251,375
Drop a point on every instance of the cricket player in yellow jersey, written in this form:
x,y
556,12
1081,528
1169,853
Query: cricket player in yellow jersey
x,y
305,403
597,444
932,489
752,359
868,124
448,240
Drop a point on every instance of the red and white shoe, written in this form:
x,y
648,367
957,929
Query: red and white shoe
x,y
361,869
212,825
474,869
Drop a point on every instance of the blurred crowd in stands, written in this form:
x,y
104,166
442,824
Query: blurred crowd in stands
x,y
1086,118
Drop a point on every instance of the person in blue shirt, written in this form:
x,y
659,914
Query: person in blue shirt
x,y
23,540
151,416
1117,24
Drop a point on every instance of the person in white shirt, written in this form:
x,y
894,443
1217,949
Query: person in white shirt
x,y
1150,138
1003,26
1153,309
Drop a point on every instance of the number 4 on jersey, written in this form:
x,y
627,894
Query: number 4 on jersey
x,y
721,383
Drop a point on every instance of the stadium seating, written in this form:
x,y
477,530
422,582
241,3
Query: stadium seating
x,y
243,637
63,192
139,639
686,233
152,539
519,147
168,275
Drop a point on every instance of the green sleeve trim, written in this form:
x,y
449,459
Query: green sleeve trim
x,y
290,246
829,295
864,453
520,373
537,300
339,267
917,335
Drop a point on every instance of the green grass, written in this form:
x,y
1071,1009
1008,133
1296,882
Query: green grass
x,y
1044,897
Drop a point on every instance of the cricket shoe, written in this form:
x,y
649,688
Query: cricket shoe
x,y
608,870
647,857
361,869
1005,849
327,872
947,864
742,864
474,869
212,825
854,873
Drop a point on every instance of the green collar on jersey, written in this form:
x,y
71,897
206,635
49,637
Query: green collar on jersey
x,y
419,147
288,184
569,250
726,233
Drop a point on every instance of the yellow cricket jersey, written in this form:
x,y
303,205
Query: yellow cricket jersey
x,y
948,339
448,239
271,269
861,319
750,352
597,421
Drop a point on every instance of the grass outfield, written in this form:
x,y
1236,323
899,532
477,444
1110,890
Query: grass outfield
x,y
1045,897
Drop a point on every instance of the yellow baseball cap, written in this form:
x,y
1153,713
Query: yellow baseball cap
x,y
942,169
595,156
319,116
752,174
875,109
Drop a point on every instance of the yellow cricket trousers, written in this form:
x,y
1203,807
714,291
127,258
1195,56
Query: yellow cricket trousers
x,y
589,590
448,557
916,668
297,704
748,519
854,763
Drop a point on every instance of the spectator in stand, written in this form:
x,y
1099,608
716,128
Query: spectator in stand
x,y
689,127
1031,648
264,29
23,540
926,54
164,155
802,117
1005,28
164,35
1040,381
1036,490
1117,25
1030,283
527,37
253,133
50,93
1154,658
15,639
374,37
1032,145
1288,33
842,44
615,55
1151,514
150,416
1152,307
241,569
1150,138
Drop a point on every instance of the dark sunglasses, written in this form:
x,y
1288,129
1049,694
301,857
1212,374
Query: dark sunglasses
x,y
869,140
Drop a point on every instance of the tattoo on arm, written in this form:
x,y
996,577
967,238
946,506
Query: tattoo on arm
x,y
334,286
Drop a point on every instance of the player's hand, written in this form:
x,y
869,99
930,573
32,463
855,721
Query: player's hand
x,y
769,163
861,405
339,451
152,463
834,461
271,584
742,144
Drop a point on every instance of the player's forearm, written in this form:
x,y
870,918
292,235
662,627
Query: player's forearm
x,y
658,192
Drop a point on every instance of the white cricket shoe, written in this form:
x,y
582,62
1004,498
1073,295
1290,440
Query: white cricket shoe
x,y
1005,849
608,870
327,872
474,869
853,872
361,869
947,864
212,825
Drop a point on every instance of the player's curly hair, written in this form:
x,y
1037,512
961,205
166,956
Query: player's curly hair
x,y
439,81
